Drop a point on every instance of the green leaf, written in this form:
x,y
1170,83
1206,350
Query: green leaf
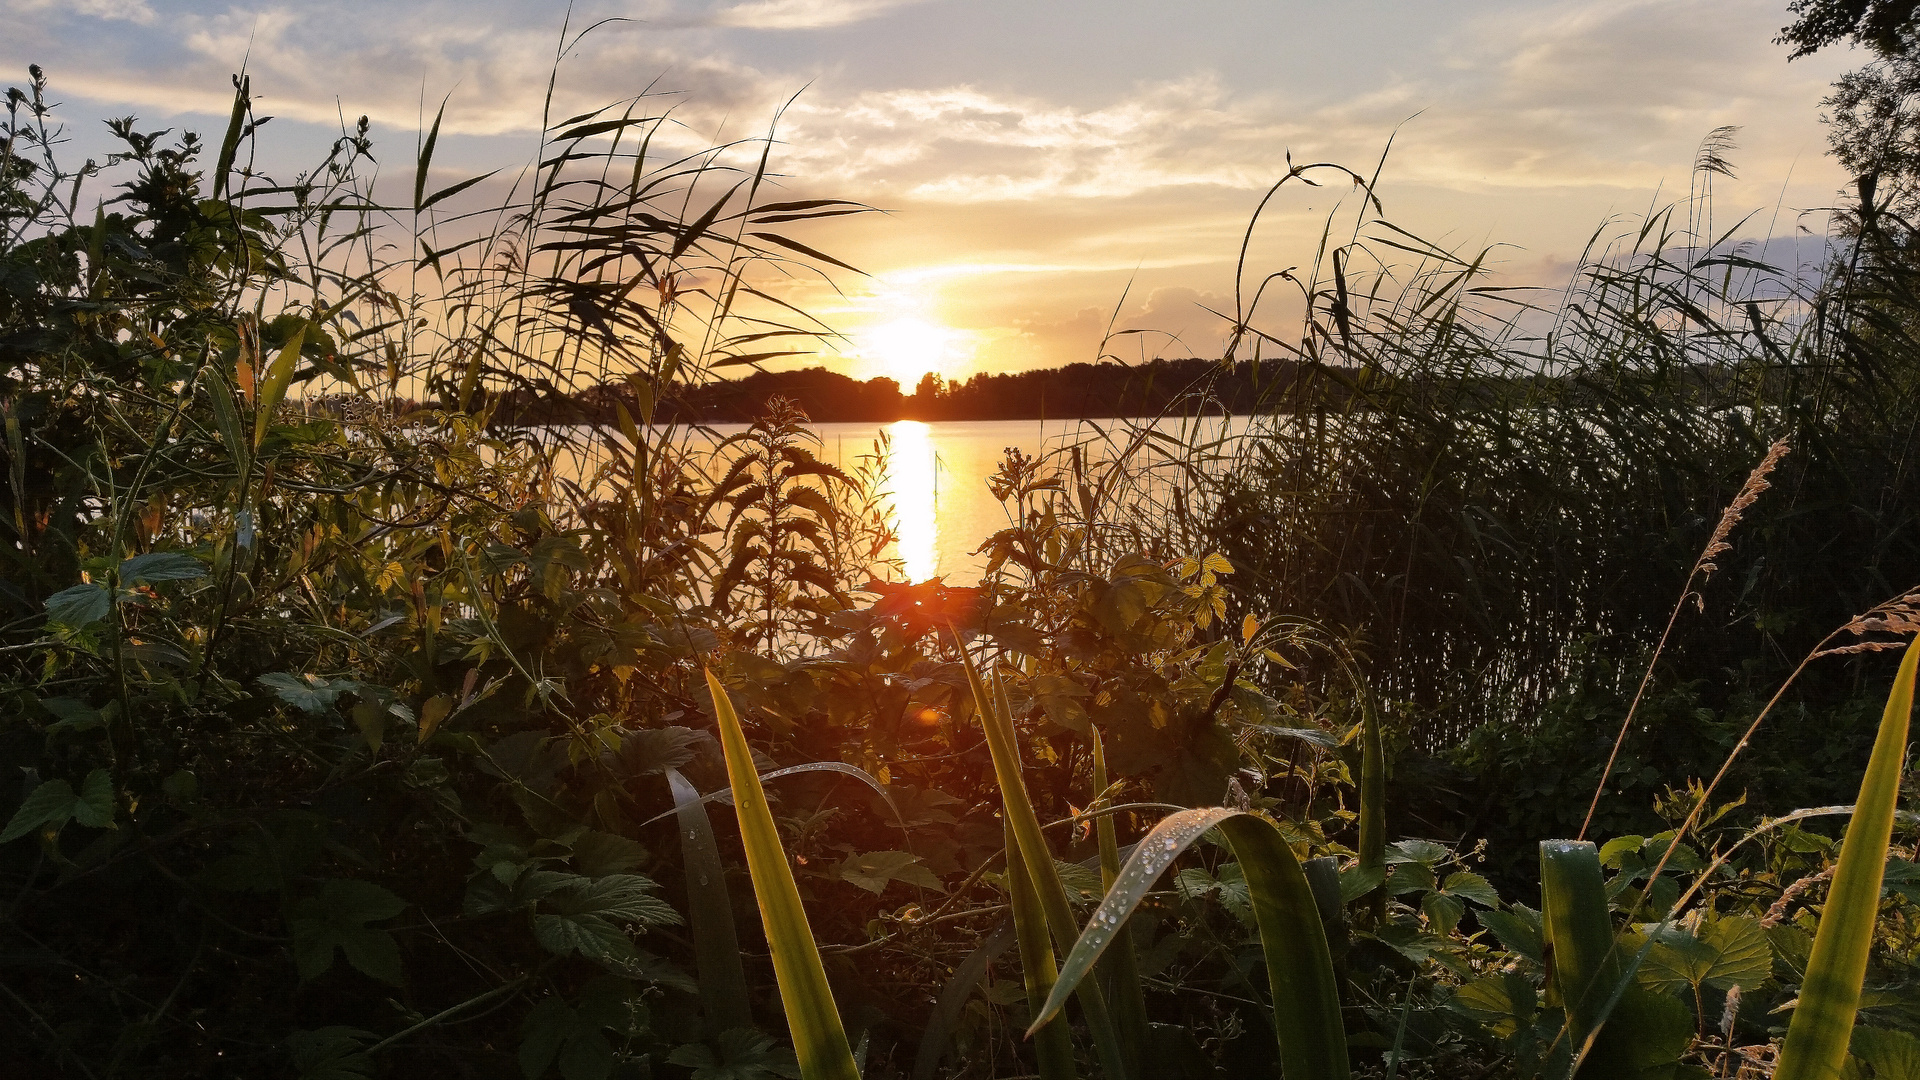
x,y
1617,1029
653,750
586,917
74,716
51,803
1817,1037
1443,912
331,1053
1419,852
1505,1002
589,935
1731,952
874,870
738,1054
274,386
1518,929
1893,1055
1306,996
1030,845
1053,1044
599,854
556,1032
338,917
310,694
94,807
81,605
716,948
819,1039
1471,887
161,566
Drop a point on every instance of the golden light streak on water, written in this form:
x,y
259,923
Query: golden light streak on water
x,y
913,477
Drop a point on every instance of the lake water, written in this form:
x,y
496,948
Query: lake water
x,y
936,477
935,481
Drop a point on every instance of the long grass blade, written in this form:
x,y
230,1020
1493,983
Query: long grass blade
x,y
1822,1025
819,1040
953,999
273,388
1053,1043
716,948
1120,968
1031,846
1373,802
1586,968
1306,998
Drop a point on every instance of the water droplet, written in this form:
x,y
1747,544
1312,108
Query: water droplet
x,y
1172,845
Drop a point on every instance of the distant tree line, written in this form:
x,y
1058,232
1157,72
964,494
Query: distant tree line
x,y
1073,392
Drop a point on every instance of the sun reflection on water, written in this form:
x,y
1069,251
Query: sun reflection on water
x,y
913,478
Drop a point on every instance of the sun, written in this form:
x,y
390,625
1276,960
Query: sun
x,y
906,348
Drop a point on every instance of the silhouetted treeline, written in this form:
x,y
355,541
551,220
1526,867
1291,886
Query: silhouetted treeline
x,y
1073,392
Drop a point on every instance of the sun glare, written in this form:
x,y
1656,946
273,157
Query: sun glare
x,y
904,349
914,480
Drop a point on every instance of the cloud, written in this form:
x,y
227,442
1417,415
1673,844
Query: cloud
x,y
1592,95
133,11
803,14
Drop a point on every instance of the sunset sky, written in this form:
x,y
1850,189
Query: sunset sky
x,y
1038,159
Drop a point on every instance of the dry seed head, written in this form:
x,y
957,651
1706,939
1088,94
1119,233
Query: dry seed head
x,y
1757,482
1900,615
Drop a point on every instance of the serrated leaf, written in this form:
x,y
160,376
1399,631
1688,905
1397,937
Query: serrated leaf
x,y
330,1053
161,566
738,1054
1418,852
81,605
51,803
310,694
1471,887
1443,912
599,854
1518,929
338,917
74,716
589,935
875,869
94,807
1893,1055
1731,951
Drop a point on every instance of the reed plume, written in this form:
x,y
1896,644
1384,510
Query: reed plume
x,y
1703,567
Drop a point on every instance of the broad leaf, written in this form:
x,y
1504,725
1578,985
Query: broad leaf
x,y
738,1054
53,803
338,917
874,870
81,605
161,566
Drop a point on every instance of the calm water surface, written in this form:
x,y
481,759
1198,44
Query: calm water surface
x,y
936,480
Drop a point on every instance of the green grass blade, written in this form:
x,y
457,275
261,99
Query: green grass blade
x,y
1586,970
1306,998
1120,969
1053,1043
1031,846
819,1041
274,386
230,143
1373,800
1817,1038
953,999
716,948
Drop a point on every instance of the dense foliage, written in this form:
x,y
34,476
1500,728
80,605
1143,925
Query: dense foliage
x,y
340,741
